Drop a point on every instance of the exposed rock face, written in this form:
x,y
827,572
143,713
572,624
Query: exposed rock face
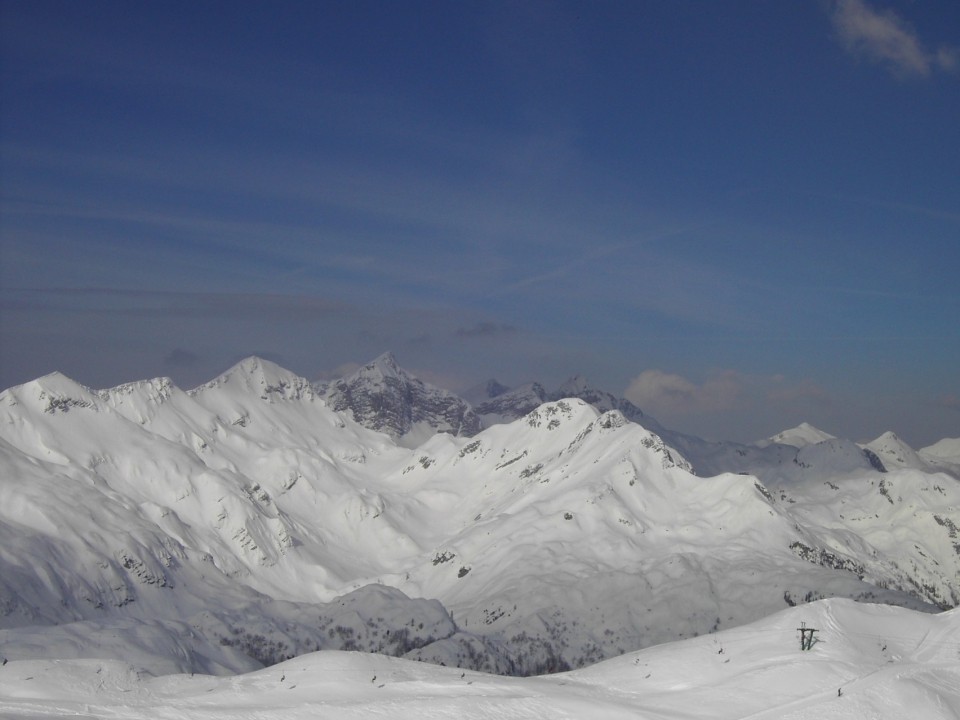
x,y
484,391
384,397
515,403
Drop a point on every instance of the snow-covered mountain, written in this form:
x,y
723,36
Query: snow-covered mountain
x,y
255,518
798,437
894,452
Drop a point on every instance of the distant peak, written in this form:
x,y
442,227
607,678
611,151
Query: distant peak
x,y
574,386
255,365
249,364
255,373
893,450
386,358
493,388
386,365
801,435
55,377
384,397
887,440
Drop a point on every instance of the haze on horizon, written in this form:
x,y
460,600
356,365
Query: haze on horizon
x,y
741,218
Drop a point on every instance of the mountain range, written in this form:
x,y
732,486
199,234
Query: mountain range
x,y
261,516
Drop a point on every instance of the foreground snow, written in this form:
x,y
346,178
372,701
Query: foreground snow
x,y
885,662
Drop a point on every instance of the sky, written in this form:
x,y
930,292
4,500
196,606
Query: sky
x,y
741,216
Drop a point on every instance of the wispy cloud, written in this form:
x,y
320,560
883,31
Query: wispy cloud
x,y
486,329
178,357
885,38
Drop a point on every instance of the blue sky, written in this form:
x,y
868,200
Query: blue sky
x,y
743,215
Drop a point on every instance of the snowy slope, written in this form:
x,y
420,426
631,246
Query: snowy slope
x,y
946,450
868,662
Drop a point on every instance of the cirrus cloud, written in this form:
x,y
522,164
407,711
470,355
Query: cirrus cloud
x,y
486,329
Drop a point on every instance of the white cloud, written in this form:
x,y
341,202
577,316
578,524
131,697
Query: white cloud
x,y
885,38
747,403
670,395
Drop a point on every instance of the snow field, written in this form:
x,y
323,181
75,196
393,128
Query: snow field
x,y
886,662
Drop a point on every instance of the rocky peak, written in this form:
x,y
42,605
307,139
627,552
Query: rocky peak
x,y
383,367
574,387
493,389
384,397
